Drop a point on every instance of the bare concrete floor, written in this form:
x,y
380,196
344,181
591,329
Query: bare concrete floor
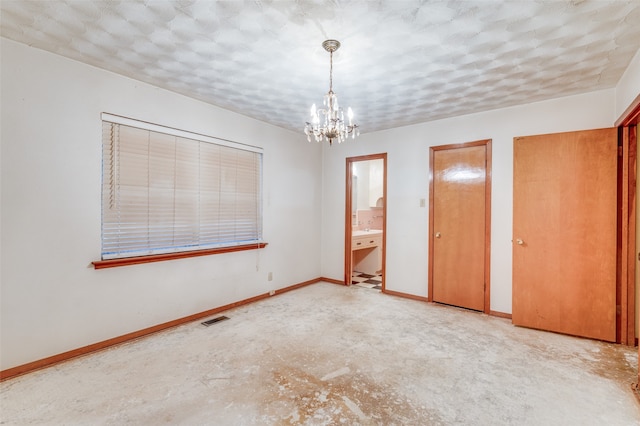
x,y
327,354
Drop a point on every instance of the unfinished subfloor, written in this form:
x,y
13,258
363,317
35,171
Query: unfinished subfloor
x,y
327,354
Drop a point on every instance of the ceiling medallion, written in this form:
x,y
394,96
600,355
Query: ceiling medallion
x,y
328,123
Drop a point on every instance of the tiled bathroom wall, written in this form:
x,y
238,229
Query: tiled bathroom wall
x,y
369,219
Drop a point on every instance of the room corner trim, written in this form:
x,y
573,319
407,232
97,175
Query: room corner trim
x,y
500,314
630,115
332,281
406,295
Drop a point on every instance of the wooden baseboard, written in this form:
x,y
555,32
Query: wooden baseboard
x,y
293,287
500,314
406,295
331,280
85,350
426,299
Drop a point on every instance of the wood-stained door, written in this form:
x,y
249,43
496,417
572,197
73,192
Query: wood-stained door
x,y
459,225
564,233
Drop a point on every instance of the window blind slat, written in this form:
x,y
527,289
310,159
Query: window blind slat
x,y
164,193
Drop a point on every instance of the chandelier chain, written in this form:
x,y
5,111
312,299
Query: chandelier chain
x,y
331,71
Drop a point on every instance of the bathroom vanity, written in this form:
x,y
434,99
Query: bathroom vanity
x,y
366,251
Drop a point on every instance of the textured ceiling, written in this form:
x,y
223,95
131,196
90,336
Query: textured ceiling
x,y
401,62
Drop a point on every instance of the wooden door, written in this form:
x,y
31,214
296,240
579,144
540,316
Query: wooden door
x,y
564,233
459,227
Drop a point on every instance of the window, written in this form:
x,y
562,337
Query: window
x,y
167,191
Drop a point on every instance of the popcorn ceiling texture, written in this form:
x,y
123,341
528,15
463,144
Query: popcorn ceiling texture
x,y
401,62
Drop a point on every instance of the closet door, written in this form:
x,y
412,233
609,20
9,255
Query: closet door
x,y
564,233
459,223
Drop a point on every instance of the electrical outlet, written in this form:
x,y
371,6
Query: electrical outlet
x,y
270,276
422,202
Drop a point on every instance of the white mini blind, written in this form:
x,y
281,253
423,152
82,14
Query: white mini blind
x,y
165,193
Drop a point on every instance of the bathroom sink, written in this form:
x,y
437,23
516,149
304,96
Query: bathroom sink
x,y
369,232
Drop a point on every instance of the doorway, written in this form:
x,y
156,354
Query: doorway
x,y
365,221
460,224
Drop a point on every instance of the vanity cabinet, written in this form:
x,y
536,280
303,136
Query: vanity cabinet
x,y
366,251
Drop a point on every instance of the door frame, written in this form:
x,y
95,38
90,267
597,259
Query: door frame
x,y
487,229
348,229
626,271
627,247
628,126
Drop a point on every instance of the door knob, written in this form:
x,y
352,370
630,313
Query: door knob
x,y
519,242
438,235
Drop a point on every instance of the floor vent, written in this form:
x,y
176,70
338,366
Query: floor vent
x,y
214,320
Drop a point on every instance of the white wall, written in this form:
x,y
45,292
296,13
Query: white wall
x,y
628,87
407,183
362,171
52,300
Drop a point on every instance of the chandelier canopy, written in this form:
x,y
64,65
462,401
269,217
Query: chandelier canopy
x,y
328,123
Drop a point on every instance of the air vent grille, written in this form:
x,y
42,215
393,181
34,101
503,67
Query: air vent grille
x,y
212,321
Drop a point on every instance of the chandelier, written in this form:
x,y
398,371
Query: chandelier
x,y
328,123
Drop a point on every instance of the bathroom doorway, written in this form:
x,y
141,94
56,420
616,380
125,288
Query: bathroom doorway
x,y
365,221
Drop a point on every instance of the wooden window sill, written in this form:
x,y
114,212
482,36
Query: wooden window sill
x,y
112,263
